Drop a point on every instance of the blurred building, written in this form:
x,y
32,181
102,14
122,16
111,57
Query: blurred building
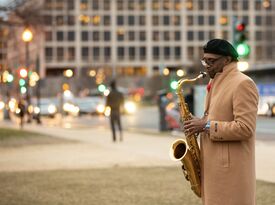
x,y
138,38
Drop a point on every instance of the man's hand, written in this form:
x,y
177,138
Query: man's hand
x,y
195,125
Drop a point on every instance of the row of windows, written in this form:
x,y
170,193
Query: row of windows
x,y
175,5
105,36
140,20
95,53
60,54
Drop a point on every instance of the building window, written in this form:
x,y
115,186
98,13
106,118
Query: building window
x,y
245,5
156,35
120,35
131,35
190,35
225,34
107,35
107,20
200,5
258,20
95,4
120,5
70,4
190,20
132,53
48,20
177,35
60,53
131,4
142,36
84,35
120,53
201,20
211,20
167,52
48,53
142,53
59,20
85,53
106,5
96,36
71,36
155,20
259,35
259,53
176,20
107,53
59,36
71,53
131,20
224,5
71,20
166,36
211,5
166,20
142,20
120,20
96,53
156,52
48,36
84,5
177,52
142,5
201,35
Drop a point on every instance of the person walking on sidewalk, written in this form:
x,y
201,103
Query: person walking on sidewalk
x,y
115,100
227,129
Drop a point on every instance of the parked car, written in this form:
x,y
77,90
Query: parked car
x,y
47,107
94,105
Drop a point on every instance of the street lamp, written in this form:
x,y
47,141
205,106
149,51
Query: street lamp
x,y
27,37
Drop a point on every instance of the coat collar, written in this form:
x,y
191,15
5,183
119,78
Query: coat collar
x,y
219,77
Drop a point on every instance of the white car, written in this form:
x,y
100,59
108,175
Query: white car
x,y
90,105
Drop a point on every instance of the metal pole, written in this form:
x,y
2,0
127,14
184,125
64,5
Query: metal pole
x,y
38,120
28,97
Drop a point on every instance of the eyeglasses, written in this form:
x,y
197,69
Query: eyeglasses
x,y
209,61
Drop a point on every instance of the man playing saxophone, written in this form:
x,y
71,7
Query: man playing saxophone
x,y
227,129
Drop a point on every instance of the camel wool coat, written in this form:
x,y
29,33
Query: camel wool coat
x,y
228,147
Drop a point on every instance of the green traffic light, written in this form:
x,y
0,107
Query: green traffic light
x,y
22,82
243,49
23,90
174,84
101,88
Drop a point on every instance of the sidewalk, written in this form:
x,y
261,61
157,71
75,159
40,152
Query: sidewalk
x,y
93,148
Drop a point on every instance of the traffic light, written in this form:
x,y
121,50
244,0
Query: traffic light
x,y
173,84
240,39
101,88
23,74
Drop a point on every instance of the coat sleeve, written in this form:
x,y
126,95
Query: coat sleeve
x,y
245,106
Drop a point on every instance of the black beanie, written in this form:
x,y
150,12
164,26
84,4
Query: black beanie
x,y
220,47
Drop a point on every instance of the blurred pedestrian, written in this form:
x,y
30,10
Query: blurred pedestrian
x,y
115,100
22,110
162,101
227,129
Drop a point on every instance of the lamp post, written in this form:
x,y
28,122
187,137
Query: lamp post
x,y
27,37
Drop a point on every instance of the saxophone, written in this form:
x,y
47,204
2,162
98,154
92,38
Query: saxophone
x,y
187,151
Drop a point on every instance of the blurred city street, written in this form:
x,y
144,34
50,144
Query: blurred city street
x,y
90,145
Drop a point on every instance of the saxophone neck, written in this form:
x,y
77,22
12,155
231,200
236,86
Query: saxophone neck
x,y
182,81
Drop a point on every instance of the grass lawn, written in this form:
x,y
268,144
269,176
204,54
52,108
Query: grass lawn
x,y
16,137
113,186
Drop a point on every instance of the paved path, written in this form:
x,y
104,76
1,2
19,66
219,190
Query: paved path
x,y
93,148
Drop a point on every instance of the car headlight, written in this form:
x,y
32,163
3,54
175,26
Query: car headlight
x,y
130,107
52,109
100,108
36,110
